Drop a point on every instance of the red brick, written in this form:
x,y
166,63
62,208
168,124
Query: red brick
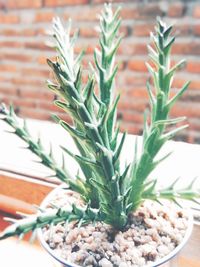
x,y
17,57
176,10
89,49
88,32
34,113
186,109
132,116
11,44
186,48
180,48
150,11
195,84
27,81
48,106
3,78
90,13
133,48
127,104
24,4
182,30
137,92
137,65
142,12
91,31
196,11
36,72
178,82
2,5
7,68
44,16
9,32
194,48
32,32
98,1
9,91
140,49
36,93
113,1
124,31
193,67
131,128
127,78
6,18
129,13
17,102
21,32
194,124
37,45
143,29
64,2
33,72
191,96
196,29
43,59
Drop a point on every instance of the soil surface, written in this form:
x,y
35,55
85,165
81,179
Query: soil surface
x,y
153,232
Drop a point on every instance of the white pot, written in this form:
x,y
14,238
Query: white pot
x,y
66,263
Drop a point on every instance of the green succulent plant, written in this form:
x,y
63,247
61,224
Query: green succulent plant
x,y
109,190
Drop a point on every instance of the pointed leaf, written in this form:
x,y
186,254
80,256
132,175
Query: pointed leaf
x,y
119,148
172,133
72,131
178,95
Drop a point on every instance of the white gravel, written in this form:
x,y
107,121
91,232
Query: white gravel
x,y
153,231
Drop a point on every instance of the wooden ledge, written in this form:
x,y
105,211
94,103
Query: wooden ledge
x,y
11,205
18,192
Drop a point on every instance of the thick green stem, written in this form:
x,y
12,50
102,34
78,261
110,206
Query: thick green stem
x,y
50,217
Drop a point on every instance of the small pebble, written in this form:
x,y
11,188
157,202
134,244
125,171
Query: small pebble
x,y
105,263
57,238
163,249
90,260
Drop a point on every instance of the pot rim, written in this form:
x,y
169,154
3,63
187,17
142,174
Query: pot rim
x,y
65,262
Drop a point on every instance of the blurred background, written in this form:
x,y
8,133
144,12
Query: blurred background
x,y
24,49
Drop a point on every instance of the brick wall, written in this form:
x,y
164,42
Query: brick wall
x,y
23,51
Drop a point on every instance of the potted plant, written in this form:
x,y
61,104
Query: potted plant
x,y
108,215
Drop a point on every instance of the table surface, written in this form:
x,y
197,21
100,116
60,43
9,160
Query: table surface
x,y
25,254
